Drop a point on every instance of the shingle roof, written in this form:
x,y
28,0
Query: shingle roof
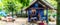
x,y
49,4
43,2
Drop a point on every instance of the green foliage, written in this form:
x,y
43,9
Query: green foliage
x,y
52,2
13,6
58,12
24,2
16,4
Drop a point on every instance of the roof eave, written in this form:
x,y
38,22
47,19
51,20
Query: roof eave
x,y
49,5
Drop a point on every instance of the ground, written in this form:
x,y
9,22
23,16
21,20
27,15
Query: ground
x,y
52,23
19,21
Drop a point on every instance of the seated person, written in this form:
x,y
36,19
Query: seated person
x,y
10,18
34,17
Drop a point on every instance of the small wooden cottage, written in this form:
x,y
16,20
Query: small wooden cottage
x,y
40,6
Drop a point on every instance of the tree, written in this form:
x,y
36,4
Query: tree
x,y
15,5
24,3
11,7
58,12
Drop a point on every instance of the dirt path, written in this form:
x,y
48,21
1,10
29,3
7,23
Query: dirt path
x,y
19,21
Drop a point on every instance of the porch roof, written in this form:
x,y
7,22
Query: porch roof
x,y
43,3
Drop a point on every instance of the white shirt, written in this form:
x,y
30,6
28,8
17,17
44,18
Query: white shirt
x,y
9,17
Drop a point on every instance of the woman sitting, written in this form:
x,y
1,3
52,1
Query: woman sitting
x,y
34,16
9,18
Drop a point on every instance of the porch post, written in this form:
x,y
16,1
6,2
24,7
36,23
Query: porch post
x,y
47,14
